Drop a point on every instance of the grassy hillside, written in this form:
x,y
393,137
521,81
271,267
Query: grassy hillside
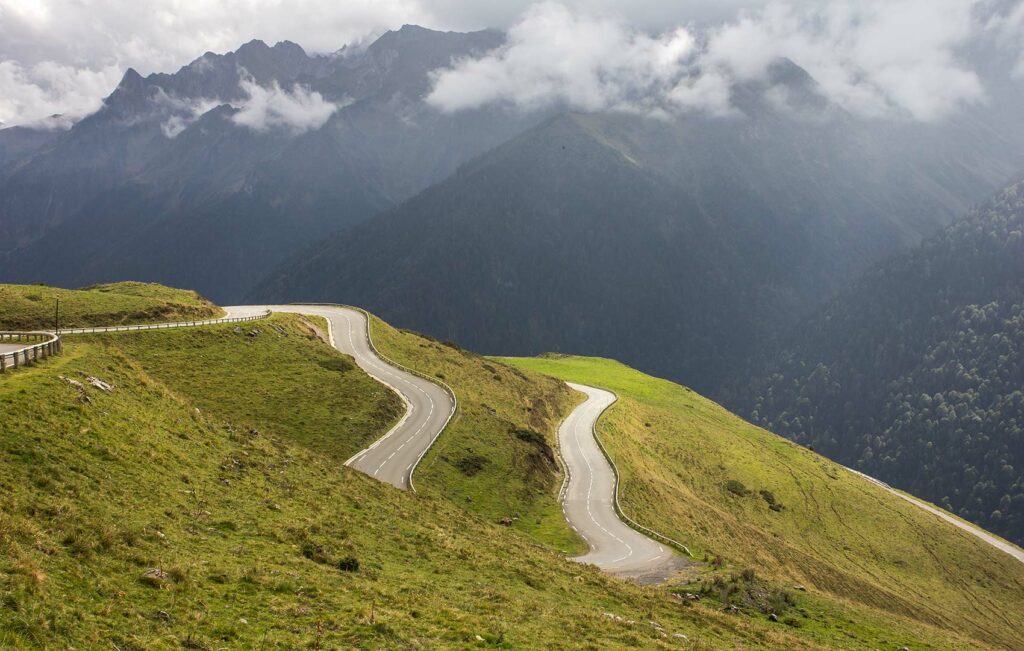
x,y
161,516
27,307
728,489
497,458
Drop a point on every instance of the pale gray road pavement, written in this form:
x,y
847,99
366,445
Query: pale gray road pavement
x,y
589,498
393,457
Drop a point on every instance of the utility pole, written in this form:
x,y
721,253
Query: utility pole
x,y
56,318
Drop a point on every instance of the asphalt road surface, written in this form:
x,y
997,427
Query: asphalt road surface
x,y
588,503
393,457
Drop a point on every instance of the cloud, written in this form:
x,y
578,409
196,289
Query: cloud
x,y
878,58
31,95
184,112
1008,28
91,43
298,111
590,63
88,40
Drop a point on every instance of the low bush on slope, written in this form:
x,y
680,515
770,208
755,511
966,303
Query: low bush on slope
x,y
728,489
157,516
29,307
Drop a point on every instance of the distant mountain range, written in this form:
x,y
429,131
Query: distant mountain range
x,y
169,181
680,247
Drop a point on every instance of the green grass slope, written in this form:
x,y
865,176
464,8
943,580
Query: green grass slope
x,y
29,307
178,511
728,489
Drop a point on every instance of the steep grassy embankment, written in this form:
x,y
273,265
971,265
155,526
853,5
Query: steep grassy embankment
x,y
498,456
187,509
702,475
29,307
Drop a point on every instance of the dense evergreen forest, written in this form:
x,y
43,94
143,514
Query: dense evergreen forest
x,y
916,374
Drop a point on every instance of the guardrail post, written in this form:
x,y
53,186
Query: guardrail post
x,y
3,363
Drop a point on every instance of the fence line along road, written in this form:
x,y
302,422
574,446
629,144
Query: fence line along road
x,y
161,326
47,344
51,343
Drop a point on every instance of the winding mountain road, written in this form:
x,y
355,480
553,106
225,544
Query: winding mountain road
x,y
589,500
429,407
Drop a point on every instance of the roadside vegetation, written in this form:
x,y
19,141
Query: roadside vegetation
x,y
155,510
858,563
31,307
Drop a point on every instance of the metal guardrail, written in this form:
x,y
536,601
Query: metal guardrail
x,y
53,344
50,344
161,326
618,507
388,360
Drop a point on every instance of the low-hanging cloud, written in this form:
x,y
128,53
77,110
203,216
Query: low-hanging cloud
x,y
1007,26
878,58
591,63
268,107
183,112
32,95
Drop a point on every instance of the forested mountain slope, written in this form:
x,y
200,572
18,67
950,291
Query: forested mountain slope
x,y
916,374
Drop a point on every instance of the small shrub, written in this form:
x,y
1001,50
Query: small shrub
x,y
471,464
316,553
736,487
349,564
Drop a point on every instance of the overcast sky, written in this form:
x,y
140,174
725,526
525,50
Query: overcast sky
x,y
879,57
